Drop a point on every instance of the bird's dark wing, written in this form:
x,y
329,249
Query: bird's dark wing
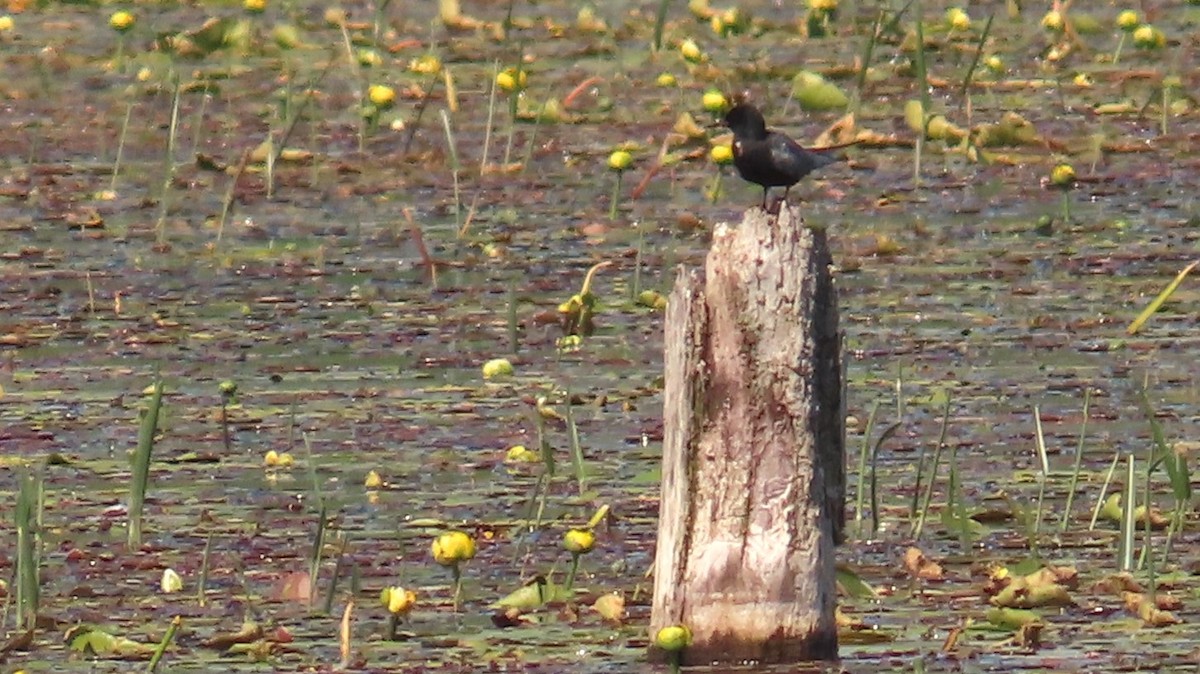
x,y
788,157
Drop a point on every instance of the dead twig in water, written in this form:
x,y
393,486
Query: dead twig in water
x,y
579,89
420,111
419,240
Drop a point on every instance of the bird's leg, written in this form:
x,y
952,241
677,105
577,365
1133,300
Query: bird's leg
x,y
773,209
766,190
782,203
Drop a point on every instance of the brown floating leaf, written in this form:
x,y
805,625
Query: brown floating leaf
x,y
510,617
686,126
1029,635
89,218
295,587
611,607
250,632
1116,584
1151,615
255,651
21,641
920,566
1067,576
1021,593
1167,602
511,168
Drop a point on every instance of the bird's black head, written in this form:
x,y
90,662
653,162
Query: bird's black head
x,y
746,122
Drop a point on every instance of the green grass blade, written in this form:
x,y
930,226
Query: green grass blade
x,y
576,447
1125,550
923,86
921,64
453,148
160,227
1044,464
28,562
1146,559
141,465
955,516
893,26
532,141
294,116
1154,306
863,453
156,658
987,28
202,586
544,447
933,470
1112,470
508,19
514,341
318,548
1175,464
1087,403
339,568
860,84
543,485
635,288
660,20
491,115
116,171
884,437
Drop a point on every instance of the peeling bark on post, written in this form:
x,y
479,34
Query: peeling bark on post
x,y
753,457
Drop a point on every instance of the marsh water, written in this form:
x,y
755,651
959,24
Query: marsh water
x,y
354,289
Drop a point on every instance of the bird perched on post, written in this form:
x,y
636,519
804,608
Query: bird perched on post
x,y
769,158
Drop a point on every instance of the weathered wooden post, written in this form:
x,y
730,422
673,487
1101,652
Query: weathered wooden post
x,y
753,456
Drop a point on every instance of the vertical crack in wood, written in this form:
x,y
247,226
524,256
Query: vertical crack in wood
x,y
753,445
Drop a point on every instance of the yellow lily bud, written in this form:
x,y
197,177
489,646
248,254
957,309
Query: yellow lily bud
x,y
121,21
1128,20
1063,176
381,95
691,51
496,368
579,541
714,101
620,160
452,548
673,638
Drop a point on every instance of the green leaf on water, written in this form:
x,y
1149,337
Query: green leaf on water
x,y
535,594
815,93
652,476
962,525
854,586
1026,566
1011,618
102,644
